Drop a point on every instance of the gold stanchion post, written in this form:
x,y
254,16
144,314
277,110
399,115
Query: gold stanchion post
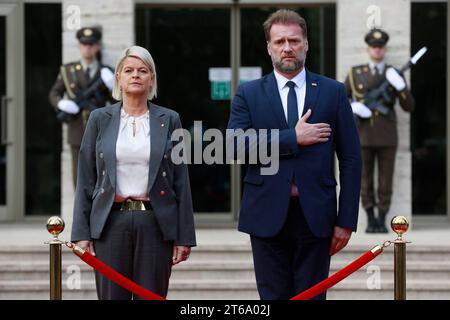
x,y
55,225
400,225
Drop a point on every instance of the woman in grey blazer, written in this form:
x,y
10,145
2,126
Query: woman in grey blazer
x,y
133,205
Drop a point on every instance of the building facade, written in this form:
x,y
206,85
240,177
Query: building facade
x,y
187,39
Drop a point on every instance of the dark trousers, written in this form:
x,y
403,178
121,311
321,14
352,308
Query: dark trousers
x,y
385,158
292,261
132,244
75,150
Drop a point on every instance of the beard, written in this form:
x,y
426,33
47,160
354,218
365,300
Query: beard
x,y
289,67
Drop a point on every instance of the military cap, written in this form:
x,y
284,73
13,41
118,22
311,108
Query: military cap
x,y
89,35
376,37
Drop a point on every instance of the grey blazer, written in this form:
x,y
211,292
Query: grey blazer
x,y
168,184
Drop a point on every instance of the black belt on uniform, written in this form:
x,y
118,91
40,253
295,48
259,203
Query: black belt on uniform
x,y
132,205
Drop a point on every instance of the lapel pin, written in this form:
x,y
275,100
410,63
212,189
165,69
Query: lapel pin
x,y
314,84
162,124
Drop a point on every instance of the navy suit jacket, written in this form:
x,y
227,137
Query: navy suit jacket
x,y
257,104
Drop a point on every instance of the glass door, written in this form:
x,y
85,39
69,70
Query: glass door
x,y
200,52
191,45
428,121
11,126
3,161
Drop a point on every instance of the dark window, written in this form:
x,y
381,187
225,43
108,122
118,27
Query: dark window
x,y
321,25
43,131
428,121
185,43
2,93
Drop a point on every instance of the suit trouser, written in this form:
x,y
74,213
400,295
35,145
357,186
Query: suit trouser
x,y
132,244
75,151
292,261
385,158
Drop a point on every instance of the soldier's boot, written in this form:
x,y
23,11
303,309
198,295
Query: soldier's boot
x,y
371,221
381,223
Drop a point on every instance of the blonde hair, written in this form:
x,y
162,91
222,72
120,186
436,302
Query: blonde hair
x,y
146,57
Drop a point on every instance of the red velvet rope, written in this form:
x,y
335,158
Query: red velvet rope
x,y
338,276
305,295
118,278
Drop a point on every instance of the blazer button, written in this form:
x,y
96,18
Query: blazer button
x,y
101,154
164,174
102,190
162,193
103,172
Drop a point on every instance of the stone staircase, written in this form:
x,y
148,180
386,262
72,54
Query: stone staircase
x,y
217,271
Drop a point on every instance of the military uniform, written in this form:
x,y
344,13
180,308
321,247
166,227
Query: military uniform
x,y
378,137
72,80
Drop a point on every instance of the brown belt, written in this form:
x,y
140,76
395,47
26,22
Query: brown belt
x,y
132,205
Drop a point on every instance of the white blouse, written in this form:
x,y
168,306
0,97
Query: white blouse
x,y
133,156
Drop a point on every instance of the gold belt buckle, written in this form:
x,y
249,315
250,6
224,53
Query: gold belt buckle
x,y
132,205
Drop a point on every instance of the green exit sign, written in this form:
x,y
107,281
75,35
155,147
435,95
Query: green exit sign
x,y
220,79
220,90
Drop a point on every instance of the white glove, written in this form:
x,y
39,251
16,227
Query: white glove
x,y
107,77
361,110
68,106
395,79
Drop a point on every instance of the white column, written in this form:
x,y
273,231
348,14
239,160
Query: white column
x,y
116,18
354,18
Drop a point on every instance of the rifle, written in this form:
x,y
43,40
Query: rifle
x,y
83,100
372,97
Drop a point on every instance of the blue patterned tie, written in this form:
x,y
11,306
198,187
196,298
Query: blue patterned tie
x,y
292,107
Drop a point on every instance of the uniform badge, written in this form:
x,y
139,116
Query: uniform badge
x,y
377,35
87,32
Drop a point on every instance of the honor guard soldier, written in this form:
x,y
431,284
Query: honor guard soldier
x,y
80,87
377,124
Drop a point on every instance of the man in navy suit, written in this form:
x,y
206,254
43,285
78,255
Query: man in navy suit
x,y
293,219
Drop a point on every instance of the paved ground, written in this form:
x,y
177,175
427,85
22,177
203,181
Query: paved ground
x,y
426,231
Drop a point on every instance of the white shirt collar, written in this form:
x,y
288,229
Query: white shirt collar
x,y
125,115
379,65
92,66
299,79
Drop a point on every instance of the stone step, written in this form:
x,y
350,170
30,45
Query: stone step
x,y
35,253
39,270
236,252
233,290
348,289
218,270
244,270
